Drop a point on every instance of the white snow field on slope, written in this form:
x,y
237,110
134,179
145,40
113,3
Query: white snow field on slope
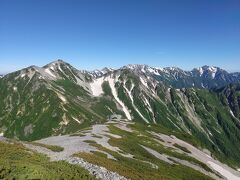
x,y
50,73
114,92
62,97
96,87
143,82
130,95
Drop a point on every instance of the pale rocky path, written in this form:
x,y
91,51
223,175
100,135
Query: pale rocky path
x,y
97,171
75,144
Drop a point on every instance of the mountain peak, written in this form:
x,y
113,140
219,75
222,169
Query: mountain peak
x,y
106,70
210,68
56,62
135,66
173,68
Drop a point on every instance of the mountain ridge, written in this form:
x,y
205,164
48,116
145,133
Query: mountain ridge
x,y
57,100
66,99
204,67
201,77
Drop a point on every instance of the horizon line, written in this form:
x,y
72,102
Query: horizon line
x,y
119,67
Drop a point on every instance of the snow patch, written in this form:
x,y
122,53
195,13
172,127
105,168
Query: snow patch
x,y
59,67
64,120
213,70
114,92
153,71
130,95
149,107
156,73
76,120
50,73
62,97
109,109
200,71
143,70
52,68
232,113
143,82
210,133
96,86
150,70
213,75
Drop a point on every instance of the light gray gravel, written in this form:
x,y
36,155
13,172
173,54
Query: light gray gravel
x,y
100,133
98,171
172,160
76,144
215,165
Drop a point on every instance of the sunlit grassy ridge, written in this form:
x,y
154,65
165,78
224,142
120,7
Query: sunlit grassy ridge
x,y
16,162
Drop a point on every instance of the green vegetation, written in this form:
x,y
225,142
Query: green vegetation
x,y
136,169
96,136
99,154
105,106
106,88
182,148
131,143
90,141
140,167
51,147
77,134
37,110
16,162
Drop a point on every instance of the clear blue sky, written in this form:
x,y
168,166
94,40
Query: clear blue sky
x,y
92,34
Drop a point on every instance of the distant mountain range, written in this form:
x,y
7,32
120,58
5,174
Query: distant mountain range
x,y
202,77
38,102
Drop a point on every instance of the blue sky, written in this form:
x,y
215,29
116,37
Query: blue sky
x,y
92,34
